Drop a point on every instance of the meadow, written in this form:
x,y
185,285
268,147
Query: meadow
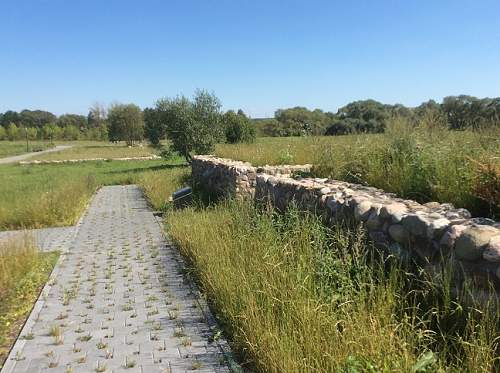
x,y
96,149
290,294
295,296
11,148
35,196
458,167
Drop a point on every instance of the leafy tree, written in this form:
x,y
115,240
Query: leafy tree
x,y
31,133
99,133
78,121
70,133
154,126
3,133
341,127
9,117
51,132
36,118
268,127
193,126
238,128
13,132
126,123
470,112
299,121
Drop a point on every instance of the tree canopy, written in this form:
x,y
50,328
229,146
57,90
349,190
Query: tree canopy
x,y
126,123
192,125
238,127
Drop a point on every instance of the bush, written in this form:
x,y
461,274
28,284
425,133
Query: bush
x,y
238,128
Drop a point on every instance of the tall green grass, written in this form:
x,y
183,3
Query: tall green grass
x,y
54,195
424,162
295,296
23,272
11,148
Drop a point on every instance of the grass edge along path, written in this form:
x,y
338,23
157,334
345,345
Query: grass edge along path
x,y
38,196
293,295
24,272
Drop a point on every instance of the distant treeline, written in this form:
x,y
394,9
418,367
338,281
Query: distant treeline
x,y
130,123
370,116
43,125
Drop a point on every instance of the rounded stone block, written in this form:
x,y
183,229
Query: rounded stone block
x,y
362,210
492,251
416,224
398,233
472,242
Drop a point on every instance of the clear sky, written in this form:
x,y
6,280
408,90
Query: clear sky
x,y
258,55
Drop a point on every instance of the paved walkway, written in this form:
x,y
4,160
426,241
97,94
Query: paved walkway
x,y
45,239
22,157
118,301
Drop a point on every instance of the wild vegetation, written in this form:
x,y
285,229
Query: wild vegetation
x,y
11,148
370,116
54,195
23,272
96,149
425,162
294,296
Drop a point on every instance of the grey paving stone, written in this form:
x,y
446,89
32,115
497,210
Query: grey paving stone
x,y
118,299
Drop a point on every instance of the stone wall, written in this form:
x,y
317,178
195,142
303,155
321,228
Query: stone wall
x,y
431,234
225,177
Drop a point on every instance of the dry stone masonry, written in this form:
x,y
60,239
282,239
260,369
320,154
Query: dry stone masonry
x,y
226,178
431,234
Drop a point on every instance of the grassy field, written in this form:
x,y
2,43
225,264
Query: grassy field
x,y
294,296
23,272
462,168
37,196
93,149
10,148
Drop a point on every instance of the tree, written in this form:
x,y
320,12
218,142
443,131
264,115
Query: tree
x,y
299,121
36,118
193,126
78,121
51,132
126,123
9,117
237,127
154,127
97,115
99,133
70,133
31,133
12,132
268,127
3,133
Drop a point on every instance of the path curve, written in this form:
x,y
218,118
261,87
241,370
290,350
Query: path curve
x,y
21,157
118,301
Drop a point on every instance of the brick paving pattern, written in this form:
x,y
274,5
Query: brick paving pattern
x,y
118,301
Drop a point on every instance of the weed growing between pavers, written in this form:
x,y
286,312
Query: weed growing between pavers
x,y
108,323
296,296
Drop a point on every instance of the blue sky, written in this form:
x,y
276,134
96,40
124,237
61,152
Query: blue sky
x,y
258,55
